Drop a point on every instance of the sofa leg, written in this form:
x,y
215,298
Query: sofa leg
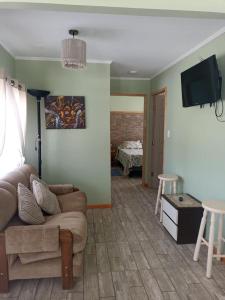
x,y
4,278
66,242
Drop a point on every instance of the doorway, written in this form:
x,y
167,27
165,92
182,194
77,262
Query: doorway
x,y
158,128
133,114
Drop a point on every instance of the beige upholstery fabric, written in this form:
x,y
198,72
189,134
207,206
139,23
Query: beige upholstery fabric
x,y
16,177
33,238
45,198
8,207
74,221
27,170
44,268
27,258
61,189
35,177
9,187
76,201
28,209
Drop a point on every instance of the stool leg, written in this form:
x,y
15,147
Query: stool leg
x,y
220,235
158,197
210,250
171,187
200,236
161,207
175,187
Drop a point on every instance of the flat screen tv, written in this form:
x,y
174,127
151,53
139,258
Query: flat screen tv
x,y
201,83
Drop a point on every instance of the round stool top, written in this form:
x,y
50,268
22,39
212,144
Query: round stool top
x,y
216,206
168,177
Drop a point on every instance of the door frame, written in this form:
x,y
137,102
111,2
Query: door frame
x,y
144,180
153,94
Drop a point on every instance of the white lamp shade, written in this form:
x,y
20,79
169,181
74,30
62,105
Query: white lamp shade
x,y
73,53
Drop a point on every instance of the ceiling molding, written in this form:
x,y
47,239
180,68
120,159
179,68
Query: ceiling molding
x,y
191,51
90,61
130,78
7,49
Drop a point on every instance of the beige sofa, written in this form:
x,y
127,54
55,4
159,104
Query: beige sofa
x,y
52,249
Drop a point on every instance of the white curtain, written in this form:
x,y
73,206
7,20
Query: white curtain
x,y
12,123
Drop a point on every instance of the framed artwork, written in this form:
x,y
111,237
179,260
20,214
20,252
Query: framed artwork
x,y
65,112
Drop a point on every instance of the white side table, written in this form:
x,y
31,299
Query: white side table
x,y
214,207
163,178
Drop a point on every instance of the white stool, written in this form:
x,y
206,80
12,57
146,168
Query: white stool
x,y
163,178
214,207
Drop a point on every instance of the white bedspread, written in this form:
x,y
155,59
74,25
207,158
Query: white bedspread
x,y
130,158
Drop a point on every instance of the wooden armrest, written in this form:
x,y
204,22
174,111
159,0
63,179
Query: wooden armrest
x,y
66,243
4,277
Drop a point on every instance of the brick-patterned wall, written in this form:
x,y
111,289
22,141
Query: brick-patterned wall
x,y
126,126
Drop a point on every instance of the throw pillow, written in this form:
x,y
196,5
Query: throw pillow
x,y
28,209
34,177
45,198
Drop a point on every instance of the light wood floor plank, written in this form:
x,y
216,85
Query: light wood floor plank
x,y
105,284
102,258
44,289
151,285
140,260
138,293
163,280
28,290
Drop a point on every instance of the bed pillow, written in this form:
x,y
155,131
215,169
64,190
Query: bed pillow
x,y
131,145
45,198
28,209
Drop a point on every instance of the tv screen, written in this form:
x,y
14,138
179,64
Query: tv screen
x,y
201,83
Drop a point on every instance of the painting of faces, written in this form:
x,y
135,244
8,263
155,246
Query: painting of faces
x,y
65,112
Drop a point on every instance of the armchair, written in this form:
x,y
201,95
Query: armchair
x,y
52,249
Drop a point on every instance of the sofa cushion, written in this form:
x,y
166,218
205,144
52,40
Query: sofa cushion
x,y
8,207
27,171
9,187
35,177
74,221
75,201
45,198
16,177
28,209
61,189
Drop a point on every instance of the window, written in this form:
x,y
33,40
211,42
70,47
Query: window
x,y
12,124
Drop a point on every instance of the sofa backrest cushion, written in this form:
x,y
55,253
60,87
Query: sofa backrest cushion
x,y
16,177
28,170
8,192
8,207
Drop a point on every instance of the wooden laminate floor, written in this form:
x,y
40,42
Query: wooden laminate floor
x,y
130,256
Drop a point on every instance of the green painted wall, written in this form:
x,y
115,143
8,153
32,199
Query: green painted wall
x,y
196,148
128,86
127,103
7,62
79,156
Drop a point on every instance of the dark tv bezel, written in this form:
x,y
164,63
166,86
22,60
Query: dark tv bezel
x,y
213,80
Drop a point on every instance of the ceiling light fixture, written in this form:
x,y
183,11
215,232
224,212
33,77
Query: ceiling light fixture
x,y
73,52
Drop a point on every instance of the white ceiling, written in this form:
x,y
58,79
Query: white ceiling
x,y
143,43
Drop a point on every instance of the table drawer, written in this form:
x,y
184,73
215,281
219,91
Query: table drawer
x,y
170,226
170,210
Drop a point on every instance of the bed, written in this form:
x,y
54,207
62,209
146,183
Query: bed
x,y
130,155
